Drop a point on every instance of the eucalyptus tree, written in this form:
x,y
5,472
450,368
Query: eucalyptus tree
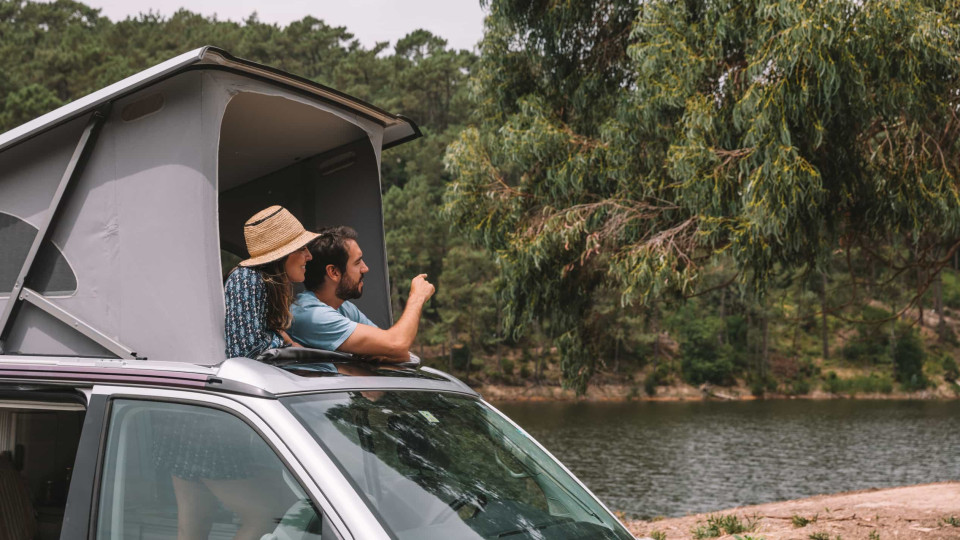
x,y
626,144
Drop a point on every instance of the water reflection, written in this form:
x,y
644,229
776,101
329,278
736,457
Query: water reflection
x,y
671,459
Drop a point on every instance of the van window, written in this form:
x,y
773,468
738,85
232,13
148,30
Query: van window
x,y
51,275
171,465
38,446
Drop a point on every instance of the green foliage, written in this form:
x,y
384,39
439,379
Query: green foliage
x,y
799,387
717,525
658,535
871,346
953,521
650,385
461,357
874,535
908,358
869,384
950,370
800,521
623,148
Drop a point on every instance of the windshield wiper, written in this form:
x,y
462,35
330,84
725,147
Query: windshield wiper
x,y
538,527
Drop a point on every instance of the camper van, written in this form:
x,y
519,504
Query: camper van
x,y
121,417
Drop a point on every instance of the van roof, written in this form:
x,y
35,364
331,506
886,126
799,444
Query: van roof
x,y
125,209
236,375
397,128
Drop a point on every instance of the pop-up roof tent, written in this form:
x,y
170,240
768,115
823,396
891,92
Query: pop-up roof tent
x,y
120,212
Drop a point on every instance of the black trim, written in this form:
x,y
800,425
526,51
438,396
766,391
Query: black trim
x,y
302,80
413,136
78,513
42,394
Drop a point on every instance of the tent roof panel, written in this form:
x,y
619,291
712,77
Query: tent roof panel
x,y
397,129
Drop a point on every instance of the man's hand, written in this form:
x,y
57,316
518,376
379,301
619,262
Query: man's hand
x,y
421,288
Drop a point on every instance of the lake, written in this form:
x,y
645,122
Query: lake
x,y
671,459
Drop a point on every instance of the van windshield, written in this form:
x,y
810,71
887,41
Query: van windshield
x,y
431,465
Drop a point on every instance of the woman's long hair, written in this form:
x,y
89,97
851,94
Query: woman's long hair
x,y
279,294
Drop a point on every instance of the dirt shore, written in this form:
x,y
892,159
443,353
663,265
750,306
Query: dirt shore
x,y
925,512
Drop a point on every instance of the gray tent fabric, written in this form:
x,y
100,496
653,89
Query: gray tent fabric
x,y
179,164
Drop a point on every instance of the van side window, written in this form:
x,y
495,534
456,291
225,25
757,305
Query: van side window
x,y
202,470
38,446
50,275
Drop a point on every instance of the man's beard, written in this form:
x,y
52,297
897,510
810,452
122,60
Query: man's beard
x,y
349,291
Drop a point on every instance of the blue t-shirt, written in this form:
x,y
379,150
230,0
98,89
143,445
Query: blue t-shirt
x,y
319,326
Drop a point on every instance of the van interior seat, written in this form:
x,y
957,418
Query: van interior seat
x,y
18,519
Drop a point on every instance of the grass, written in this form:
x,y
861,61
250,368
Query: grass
x,y
658,535
800,521
748,537
874,535
952,521
823,536
860,384
718,525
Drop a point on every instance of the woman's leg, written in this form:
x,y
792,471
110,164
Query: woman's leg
x,y
195,508
255,500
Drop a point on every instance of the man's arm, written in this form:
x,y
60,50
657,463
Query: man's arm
x,y
394,343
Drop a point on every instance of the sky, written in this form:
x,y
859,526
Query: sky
x,y
460,22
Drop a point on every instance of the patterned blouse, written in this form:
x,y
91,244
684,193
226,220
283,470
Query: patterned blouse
x,y
246,329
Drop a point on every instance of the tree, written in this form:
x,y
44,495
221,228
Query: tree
x,y
626,145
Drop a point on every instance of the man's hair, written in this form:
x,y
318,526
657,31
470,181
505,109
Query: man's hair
x,y
329,248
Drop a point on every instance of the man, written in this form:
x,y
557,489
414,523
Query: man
x,y
324,317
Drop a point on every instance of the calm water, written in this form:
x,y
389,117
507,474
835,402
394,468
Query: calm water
x,y
670,459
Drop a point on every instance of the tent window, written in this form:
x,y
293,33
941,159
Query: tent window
x,y
51,275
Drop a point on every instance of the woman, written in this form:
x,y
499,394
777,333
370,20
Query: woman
x,y
205,458
258,292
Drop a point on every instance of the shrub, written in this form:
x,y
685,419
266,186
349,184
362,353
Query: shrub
x,y
718,525
702,359
650,385
871,345
799,387
658,535
461,355
862,384
525,371
950,370
908,357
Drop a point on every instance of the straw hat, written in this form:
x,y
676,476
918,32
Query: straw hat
x,y
273,233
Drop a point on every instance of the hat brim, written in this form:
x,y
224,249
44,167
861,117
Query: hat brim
x,y
305,238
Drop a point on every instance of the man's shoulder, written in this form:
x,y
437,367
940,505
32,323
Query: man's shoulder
x,y
307,301
348,309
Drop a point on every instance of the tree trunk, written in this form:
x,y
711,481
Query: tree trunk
x,y
823,317
938,305
616,355
655,326
765,343
450,358
723,316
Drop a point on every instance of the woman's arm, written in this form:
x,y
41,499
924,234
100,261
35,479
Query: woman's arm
x,y
246,301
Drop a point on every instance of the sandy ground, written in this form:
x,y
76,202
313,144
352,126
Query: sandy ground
x,y
915,512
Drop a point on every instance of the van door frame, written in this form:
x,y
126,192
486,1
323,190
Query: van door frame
x,y
104,395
